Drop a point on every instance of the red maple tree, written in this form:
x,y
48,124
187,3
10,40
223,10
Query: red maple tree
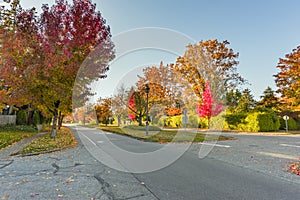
x,y
209,107
131,106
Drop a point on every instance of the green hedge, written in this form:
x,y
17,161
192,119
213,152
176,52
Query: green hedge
x,y
36,118
142,128
235,120
176,121
253,122
22,117
261,122
292,124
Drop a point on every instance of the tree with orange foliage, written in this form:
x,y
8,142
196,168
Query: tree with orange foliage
x,y
288,79
103,110
209,61
164,89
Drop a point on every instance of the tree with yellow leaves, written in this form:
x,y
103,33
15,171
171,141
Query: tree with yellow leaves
x,y
209,61
288,79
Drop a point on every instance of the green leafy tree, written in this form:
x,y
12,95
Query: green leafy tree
x,y
232,99
269,100
246,102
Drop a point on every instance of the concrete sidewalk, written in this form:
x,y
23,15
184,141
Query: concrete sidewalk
x,y
15,148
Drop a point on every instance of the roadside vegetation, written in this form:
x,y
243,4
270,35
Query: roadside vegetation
x,y
162,136
44,144
12,134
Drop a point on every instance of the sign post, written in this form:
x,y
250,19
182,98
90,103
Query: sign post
x,y
286,118
185,119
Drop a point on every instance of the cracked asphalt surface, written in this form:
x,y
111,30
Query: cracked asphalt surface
x,y
251,167
69,174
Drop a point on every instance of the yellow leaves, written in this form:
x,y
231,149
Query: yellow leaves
x,y
287,79
5,196
25,180
64,138
69,180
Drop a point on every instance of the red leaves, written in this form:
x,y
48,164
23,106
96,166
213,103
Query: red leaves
x,y
132,107
43,55
294,168
208,108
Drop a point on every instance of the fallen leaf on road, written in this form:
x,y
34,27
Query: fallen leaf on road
x,y
33,195
5,196
25,180
69,180
294,168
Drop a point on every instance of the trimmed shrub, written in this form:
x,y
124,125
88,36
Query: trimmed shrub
x,y
162,121
36,118
261,121
235,120
203,123
218,122
292,124
22,117
193,121
142,128
176,121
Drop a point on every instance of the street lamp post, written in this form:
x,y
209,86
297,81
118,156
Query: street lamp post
x,y
147,89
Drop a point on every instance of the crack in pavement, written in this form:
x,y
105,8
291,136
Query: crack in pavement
x,y
6,164
133,197
105,191
56,168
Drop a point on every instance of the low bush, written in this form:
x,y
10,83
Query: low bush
x,y
193,121
173,122
142,128
218,122
292,124
203,123
177,121
36,118
235,120
22,117
260,122
162,122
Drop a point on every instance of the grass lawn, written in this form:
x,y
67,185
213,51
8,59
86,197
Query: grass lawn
x,y
12,134
162,136
64,139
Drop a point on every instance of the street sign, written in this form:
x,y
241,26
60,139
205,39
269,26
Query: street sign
x,y
285,117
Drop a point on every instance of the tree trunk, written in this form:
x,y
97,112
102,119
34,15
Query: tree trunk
x,y
29,118
140,118
55,116
54,123
60,120
119,120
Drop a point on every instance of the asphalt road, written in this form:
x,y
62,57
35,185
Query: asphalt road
x,y
252,167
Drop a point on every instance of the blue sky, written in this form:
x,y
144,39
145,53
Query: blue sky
x,y
261,31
